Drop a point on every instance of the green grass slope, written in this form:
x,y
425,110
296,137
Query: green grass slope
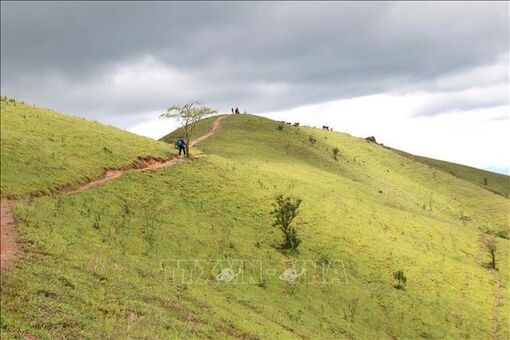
x,y
43,150
498,183
98,263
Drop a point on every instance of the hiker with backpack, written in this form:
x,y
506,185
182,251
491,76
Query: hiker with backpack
x,y
181,145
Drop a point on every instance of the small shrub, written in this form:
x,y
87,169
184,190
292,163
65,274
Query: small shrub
x,y
125,208
485,181
97,221
401,279
284,212
488,243
107,151
261,184
148,232
336,151
323,260
312,140
352,307
503,233
262,283
58,207
280,127
465,218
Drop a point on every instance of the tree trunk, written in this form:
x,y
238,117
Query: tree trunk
x,y
187,144
493,255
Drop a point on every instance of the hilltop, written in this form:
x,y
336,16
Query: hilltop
x,y
368,209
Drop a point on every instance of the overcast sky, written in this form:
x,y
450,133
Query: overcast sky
x,y
429,78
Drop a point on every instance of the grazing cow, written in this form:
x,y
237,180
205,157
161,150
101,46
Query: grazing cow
x,y
296,124
324,127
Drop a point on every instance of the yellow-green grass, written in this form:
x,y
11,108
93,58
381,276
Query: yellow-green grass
x,y
43,150
92,263
495,182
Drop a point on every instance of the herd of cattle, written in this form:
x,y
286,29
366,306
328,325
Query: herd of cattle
x,y
327,128
324,127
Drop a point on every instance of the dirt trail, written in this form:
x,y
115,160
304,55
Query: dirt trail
x,y
216,126
109,176
8,246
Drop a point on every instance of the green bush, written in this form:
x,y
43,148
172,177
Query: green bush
x,y
284,212
401,279
488,243
503,233
336,151
312,140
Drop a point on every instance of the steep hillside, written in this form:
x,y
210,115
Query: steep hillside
x,y
43,150
498,183
368,213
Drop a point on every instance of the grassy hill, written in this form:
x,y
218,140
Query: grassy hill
x,y
498,183
99,263
43,150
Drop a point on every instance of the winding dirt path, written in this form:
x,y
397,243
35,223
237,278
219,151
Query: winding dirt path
x,y
216,126
8,245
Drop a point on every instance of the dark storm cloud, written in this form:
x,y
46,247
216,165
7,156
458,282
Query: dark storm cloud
x,y
259,55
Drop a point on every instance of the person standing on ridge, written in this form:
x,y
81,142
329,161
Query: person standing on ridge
x,y
237,110
181,145
232,110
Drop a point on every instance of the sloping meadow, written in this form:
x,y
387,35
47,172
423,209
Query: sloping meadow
x,y
190,251
43,150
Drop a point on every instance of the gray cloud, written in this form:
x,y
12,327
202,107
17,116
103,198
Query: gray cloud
x,y
117,62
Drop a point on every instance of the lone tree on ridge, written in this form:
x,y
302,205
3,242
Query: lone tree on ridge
x,y
188,115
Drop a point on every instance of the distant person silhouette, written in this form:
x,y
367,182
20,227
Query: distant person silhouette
x,y
232,110
237,110
181,145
